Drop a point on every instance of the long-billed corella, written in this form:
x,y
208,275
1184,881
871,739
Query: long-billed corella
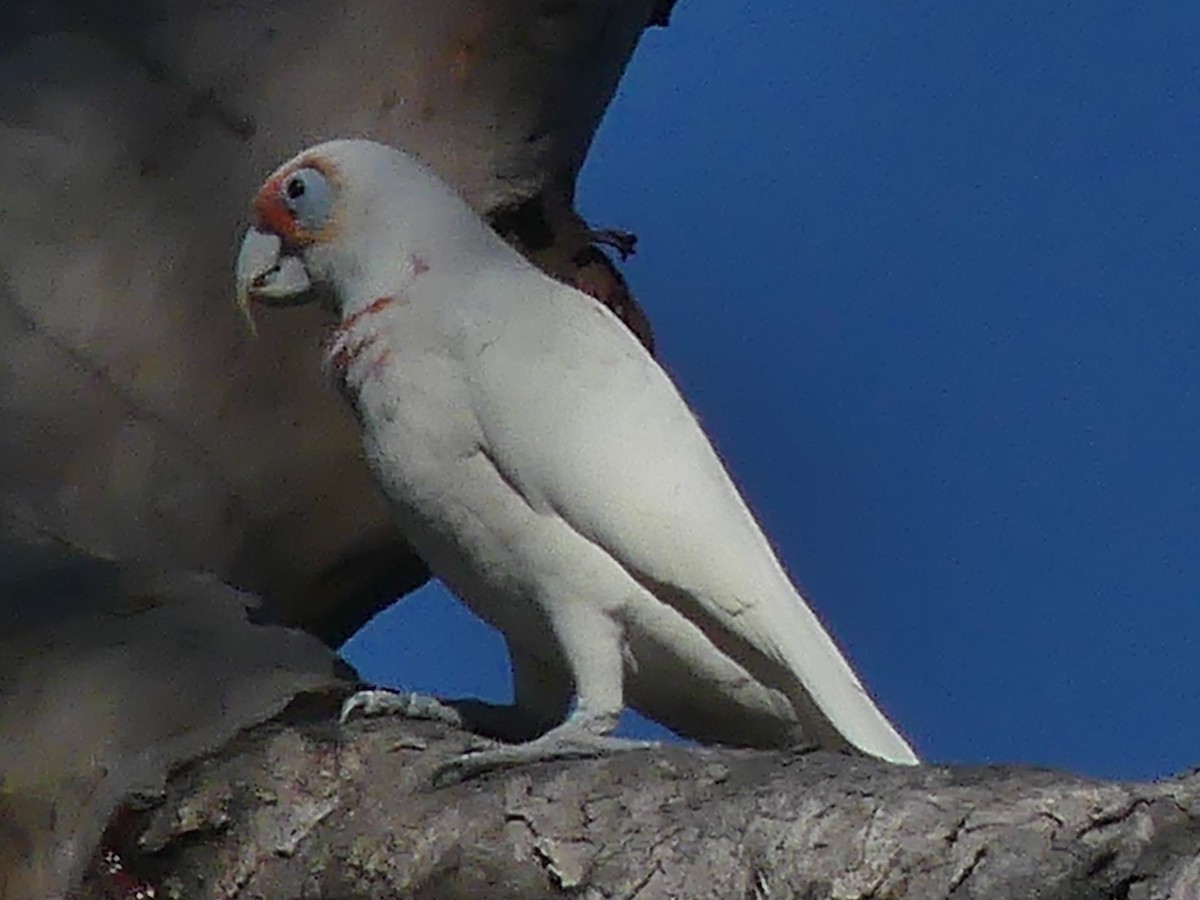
x,y
549,473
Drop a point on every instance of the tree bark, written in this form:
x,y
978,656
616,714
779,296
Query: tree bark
x,y
301,808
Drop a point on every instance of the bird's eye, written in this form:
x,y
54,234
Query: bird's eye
x,y
308,196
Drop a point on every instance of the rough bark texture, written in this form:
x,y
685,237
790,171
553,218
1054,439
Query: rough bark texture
x,y
300,808
111,675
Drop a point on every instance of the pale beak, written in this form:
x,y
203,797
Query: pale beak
x,y
266,275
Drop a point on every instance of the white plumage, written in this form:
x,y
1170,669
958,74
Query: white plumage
x,y
548,471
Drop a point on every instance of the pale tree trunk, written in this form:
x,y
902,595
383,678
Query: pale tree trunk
x,y
175,721
140,418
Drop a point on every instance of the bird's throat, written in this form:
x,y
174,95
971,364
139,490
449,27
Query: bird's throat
x,y
355,352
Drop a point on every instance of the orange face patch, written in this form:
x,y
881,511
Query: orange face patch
x,y
271,213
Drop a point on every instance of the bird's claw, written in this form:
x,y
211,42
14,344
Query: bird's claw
x,y
409,705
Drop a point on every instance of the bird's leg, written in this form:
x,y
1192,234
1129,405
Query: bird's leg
x,y
591,645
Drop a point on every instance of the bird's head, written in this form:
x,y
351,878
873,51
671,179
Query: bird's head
x,y
342,221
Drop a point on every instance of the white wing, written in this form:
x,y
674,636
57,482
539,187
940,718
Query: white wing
x,y
604,440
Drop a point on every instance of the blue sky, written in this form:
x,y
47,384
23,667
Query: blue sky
x,y
929,273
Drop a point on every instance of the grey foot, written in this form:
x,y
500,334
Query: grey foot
x,y
400,703
556,744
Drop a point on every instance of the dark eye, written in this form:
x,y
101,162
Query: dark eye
x,y
308,196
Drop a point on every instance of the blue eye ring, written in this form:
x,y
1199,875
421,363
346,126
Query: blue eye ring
x,y
308,197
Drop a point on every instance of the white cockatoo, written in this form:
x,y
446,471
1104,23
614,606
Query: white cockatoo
x,y
548,471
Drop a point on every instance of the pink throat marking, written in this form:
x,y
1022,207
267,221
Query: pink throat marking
x,y
375,306
343,351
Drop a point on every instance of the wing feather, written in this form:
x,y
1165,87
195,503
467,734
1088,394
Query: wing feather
x,y
605,441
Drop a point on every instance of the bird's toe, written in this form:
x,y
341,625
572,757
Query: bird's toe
x,y
376,702
551,747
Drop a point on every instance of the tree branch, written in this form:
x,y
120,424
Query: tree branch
x,y
299,807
